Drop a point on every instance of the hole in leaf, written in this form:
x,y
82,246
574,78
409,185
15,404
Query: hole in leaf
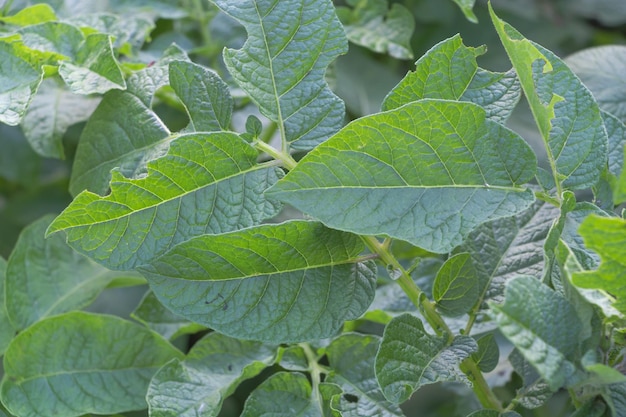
x,y
351,398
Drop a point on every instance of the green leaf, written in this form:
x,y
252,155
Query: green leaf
x,y
493,413
410,358
449,71
204,94
282,64
79,363
571,236
284,393
351,358
455,289
6,329
428,173
155,316
278,283
615,397
294,358
58,38
19,81
181,197
527,319
607,237
128,28
467,6
32,15
535,391
52,111
488,354
370,23
46,277
599,68
566,113
199,384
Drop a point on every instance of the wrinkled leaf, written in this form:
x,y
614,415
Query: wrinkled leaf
x,y
410,358
284,393
207,183
428,173
534,391
79,363
455,289
198,385
615,397
294,281
19,81
282,64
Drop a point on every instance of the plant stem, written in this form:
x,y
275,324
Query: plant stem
x,y
285,158
482,390
315,371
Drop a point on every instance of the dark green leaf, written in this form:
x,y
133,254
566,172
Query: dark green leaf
x,y
288,282
488,353
282,64
455,289
410,358
282,394
6,329
535,391
428,173
79,363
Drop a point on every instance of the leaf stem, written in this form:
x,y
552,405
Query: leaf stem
x,y
316,372
480,387
285,158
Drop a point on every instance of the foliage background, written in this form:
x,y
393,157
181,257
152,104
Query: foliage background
x,y
31,185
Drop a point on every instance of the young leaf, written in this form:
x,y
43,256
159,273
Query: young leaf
x,y
527,318
373,25
282,64
428,173
455,289
410,358
19,81
286,282
449,71
32,15
198,385
351,357
181,197
6,329
607,237
78,363
204,94
467,6
46,277
488,353
57,38
284,393
567,115
155,316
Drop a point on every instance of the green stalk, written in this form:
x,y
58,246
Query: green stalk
x,y
285,158
480,387
315,371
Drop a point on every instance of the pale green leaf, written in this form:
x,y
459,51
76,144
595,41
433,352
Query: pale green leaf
x,y
449,71
204,95
606,236
467,6
600,69
19,81
155,316
372,24
206,183
330,393
570,235
6,328
198,385
58,38
488,354
527,319
428,173
32,15
351,358
78,363
282,64
282,394
616,130
130,28
52,111
46,277
410,358
535,391
455,289
566,113
288,282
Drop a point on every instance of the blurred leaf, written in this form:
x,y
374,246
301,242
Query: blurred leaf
x,y
19,164
615,397
410,358
467,6
493,413
284,393
124,28
6,329
488,354
79,363
438,161
351,357
370,23
155,316
609,12
284,73
32,15
455,289
535,391
19,81
198,385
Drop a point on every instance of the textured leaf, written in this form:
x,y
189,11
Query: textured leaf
x,y
282,64
615,397
527,319
455,289
600,69
566,113
606,236
442,168
370,23
207,183
282,394
449,71
32,15
155,316
79,363
534,391
19,81
410,358
46,277
129,28
51,112
204,94
6,329
198,385
289,282
570,235
467,6
58,38
351,357
488,354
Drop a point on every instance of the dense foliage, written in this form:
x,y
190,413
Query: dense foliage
x,y
262,207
